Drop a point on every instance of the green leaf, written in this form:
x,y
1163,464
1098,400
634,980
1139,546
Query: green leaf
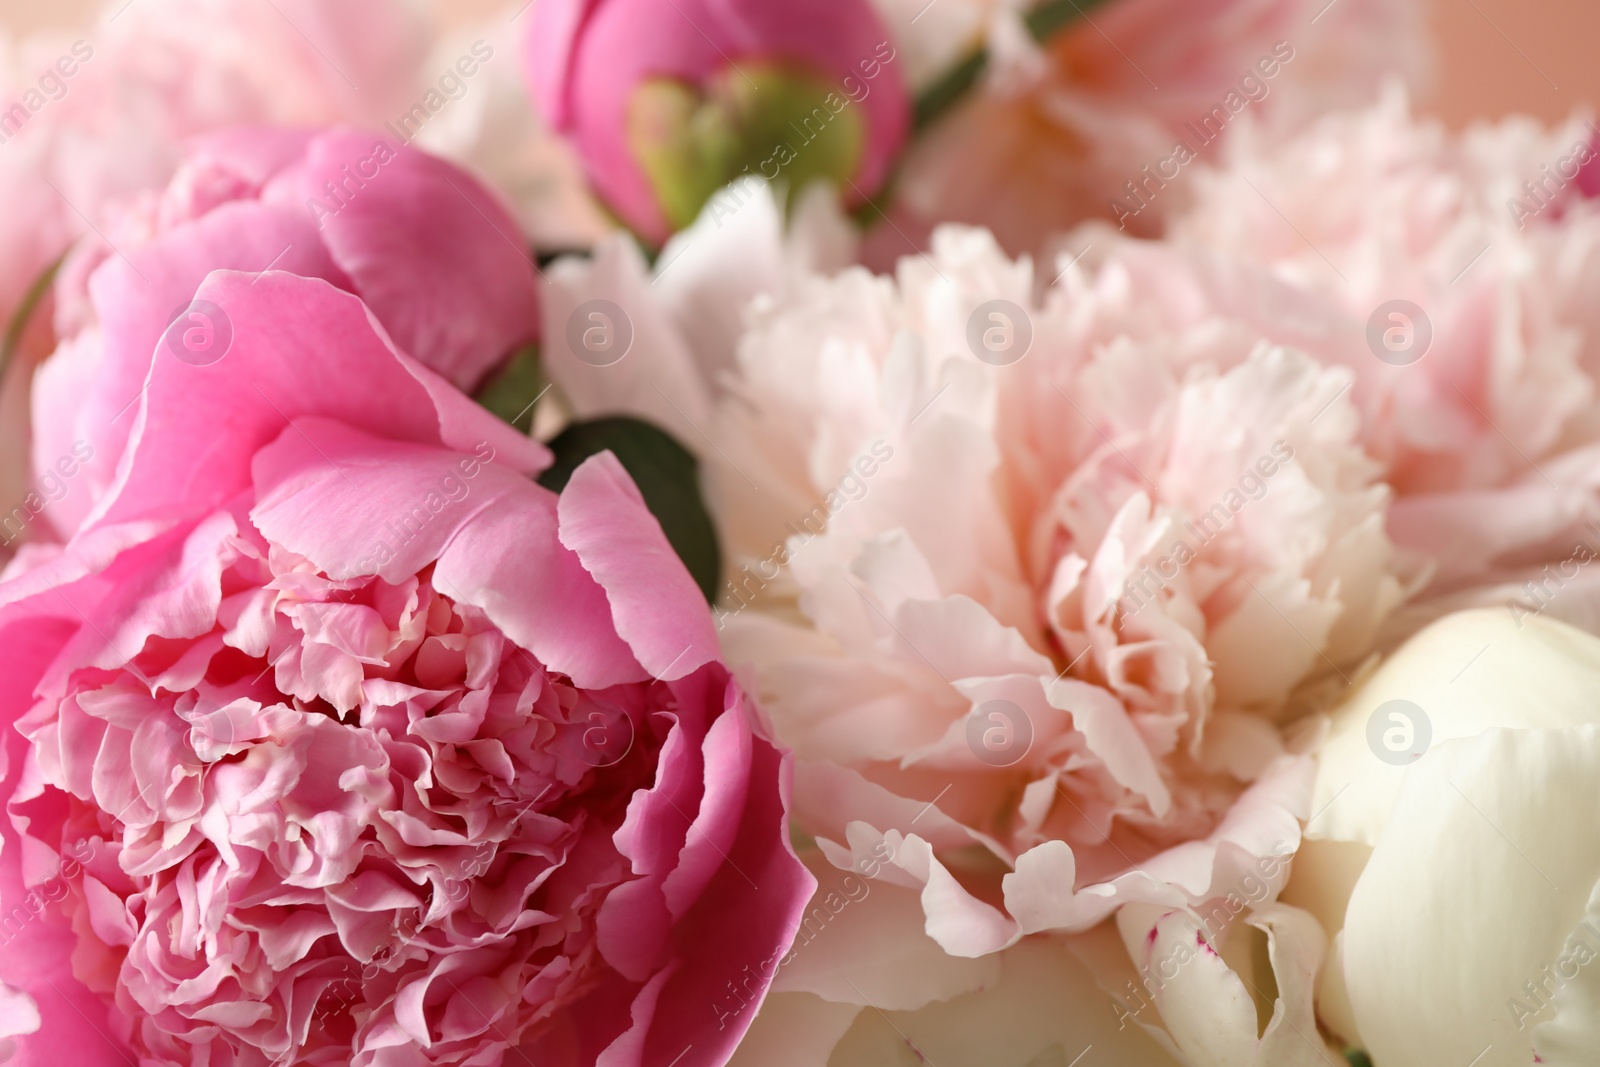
x,y
668,476
1357,1058
512,391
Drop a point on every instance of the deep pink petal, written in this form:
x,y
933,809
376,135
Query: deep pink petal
x,y
298,345
35,944
739,928
551,42
434,253
359,504
655,604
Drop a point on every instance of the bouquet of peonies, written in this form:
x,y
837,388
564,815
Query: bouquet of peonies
x,y
792,533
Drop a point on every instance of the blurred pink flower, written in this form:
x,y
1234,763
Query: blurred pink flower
x,y
152,75
339,740
1482,400
431,252
1089,125
591,62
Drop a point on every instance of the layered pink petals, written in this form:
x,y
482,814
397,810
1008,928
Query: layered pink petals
x,y
1111,117
1058,697
43,1005
297,345
339,740
433,254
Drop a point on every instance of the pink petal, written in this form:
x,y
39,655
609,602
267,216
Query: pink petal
x,y
298,344
356,504
655,605
434,253
136,297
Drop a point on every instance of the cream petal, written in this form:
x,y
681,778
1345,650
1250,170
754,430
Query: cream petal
x,y
675,394
861,941
1044,1010
1474,886
1333,996
1572,1037
1295,947
1210,995
1323,876
794,1030
1468,672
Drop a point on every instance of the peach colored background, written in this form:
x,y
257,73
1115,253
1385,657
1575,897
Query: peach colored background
x,y
1496,56
1504,56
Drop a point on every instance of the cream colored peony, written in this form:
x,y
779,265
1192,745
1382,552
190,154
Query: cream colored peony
x,y
1027,575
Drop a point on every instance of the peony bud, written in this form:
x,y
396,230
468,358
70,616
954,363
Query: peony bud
x,y
1470,888
667,102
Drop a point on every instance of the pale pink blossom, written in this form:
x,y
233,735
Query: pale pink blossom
x,y
1067,131
953,534
1030,624
1489,434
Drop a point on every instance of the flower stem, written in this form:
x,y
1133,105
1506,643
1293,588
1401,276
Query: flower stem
x,y
25,309
1043,22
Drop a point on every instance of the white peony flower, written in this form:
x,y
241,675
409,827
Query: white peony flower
x,y
1465,880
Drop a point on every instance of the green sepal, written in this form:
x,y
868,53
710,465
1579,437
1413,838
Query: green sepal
x,y
512,390
770,121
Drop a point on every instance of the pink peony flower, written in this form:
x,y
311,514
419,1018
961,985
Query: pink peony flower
x,y
431,252
668,101
335,739
93,116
